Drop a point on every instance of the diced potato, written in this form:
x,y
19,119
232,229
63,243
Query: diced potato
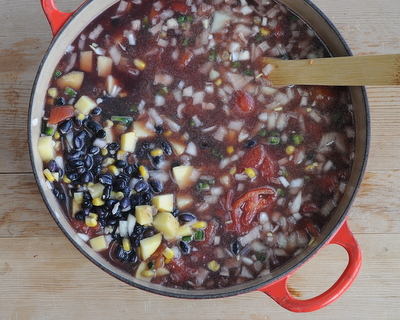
x,y
76,207
142,131
184,231
183,201
85,104
182,176
164,202
162,272
168,253
98,243
86,61
46,149
104,66
149,245
78,197
177,146
144,214
166,223
73,80
139,270
128,141
96,190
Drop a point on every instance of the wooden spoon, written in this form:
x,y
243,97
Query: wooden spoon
x,y
338,71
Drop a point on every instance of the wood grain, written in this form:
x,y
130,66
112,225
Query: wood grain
x,y
44,277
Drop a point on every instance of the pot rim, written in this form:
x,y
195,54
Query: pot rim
x,y
254,285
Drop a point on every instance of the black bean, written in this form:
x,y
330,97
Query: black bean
x,y
119,184
250,143
58,194
52,166
94,126
156,186
102,212
128,170
65,126
159,129
157,161
235,247
133,258
111,203
89,161
121,164
80,170
119,252
106,179
80,216
94,150
136,241
146,197
186,217
76,163
77,122
136,200
98,158
112,222
113,146
101,134
106,193
96,111
166,148
87,196
87,177
149,232
185,247
138,229
141,186
87,204
126,191
125,203
60,101
116,21
96,170
73,176
74,155
145,145
175,212
79,140
124,176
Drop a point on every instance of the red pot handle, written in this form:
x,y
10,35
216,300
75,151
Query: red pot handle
x,y
55,17
280,293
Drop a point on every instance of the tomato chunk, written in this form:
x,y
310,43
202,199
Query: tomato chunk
x,y
247,207
244,101
180,7
61,113
259,159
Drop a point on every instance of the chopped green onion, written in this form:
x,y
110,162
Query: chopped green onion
x,y
181,19
187,41
122,119
146,23
217,153
70,92
187,238
259,37
57,74
260,256
199,235
203,186
192,123
46,129
236,64
134,108
248,72
212,55
281,192
293,18
162,91
297,139
274,140
263,132
150,265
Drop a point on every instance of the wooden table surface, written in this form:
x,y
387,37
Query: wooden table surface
x,y
42,276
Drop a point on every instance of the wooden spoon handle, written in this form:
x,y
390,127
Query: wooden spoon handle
x,y
338,71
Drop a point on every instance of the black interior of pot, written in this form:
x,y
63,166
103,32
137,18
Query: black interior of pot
x,y
336,45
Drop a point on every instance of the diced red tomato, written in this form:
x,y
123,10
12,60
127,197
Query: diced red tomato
x,y
259,159
329,183
244,101
61,113
81,227
180,272
247,207
185,59
180,7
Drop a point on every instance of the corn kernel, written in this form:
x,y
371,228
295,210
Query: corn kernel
x,y
168,133
199,225
108,124
233,171
80,116
91,220
265,31
119,195
143,172
213,265
147,273
52,92
66,180
140,64
168,253
108,162
57,146
156,152
290,150
49,176
230,150
218,82
122,155
97,202
311,167
126,244
113,169
250,172
57,135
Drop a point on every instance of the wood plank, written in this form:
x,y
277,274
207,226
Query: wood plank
x,y
48,279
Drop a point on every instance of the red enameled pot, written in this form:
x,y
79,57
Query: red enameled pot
x,y
66,27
